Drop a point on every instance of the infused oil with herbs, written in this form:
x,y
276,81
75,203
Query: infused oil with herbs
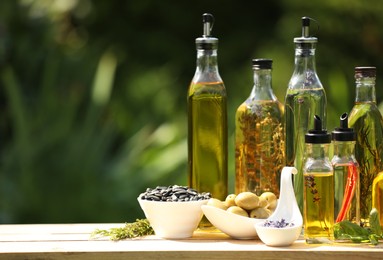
x,y
367,122
305,97
318,199
259,138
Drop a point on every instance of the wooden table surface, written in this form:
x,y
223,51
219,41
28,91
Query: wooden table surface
x,y
72,241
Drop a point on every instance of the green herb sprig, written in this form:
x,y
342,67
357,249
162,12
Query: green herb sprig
x,y
346,230
139,228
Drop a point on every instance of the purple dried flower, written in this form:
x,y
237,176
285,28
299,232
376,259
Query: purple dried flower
x,y
277,224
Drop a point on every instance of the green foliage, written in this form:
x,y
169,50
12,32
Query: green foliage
x,y
93,93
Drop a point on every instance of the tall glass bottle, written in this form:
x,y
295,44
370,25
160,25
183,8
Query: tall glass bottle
x,y
207,120
305,98
367,122
346,173
259,136
318,202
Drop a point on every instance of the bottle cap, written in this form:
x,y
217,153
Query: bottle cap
x,y
317,135
207,42
365,72
343,132
306,38
262,63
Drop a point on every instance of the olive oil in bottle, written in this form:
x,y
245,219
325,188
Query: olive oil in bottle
x,y
207,121
318,192
305,97
367,122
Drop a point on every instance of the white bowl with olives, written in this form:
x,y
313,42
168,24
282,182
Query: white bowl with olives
x,y
237,215
174,212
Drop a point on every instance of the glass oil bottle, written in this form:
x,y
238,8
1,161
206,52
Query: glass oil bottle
x,y
259,137
346,173
207,120
318,193
367,122
305,97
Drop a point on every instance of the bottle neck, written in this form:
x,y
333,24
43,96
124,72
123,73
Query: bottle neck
x,y
207,66
262,89
365,90
344,148
305,58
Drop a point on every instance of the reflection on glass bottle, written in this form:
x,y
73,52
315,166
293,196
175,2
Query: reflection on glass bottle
x,y
367,122
305,98
259,142
207,121
318,202
346,173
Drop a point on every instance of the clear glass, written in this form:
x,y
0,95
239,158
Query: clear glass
x,y
318,193
207,129
259,139
367,122
346,180
305,98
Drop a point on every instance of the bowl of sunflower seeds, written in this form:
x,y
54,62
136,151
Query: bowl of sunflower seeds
x,y
173,211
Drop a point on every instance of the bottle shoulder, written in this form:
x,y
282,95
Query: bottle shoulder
x,y
318,165
216,88
348,159
307,79
261,108
365,113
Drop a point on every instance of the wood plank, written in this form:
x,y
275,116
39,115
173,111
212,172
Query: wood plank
x,y
71,241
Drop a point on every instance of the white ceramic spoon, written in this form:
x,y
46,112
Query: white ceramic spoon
x,y
288,210
287,207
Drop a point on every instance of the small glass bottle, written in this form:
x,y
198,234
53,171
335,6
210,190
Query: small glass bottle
x,y
367,122
207,120
259,136
305,97
346,173
318,192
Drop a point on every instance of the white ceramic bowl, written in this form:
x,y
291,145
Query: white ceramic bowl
x,y
278,236
173,219
234,225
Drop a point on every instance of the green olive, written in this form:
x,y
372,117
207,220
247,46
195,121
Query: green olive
x,y
262,203
260,213
270,198
247,200
272,205
217,203
238,210
230,200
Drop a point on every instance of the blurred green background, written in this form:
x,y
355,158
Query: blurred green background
x,y
93,93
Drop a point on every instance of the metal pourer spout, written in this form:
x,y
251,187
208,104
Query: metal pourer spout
x,y
305,26
305,37
208,21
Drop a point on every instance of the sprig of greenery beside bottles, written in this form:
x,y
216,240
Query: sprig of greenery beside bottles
x,y
139,228
347,230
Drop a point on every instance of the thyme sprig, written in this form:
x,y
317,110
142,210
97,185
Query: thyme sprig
x,y
139,228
